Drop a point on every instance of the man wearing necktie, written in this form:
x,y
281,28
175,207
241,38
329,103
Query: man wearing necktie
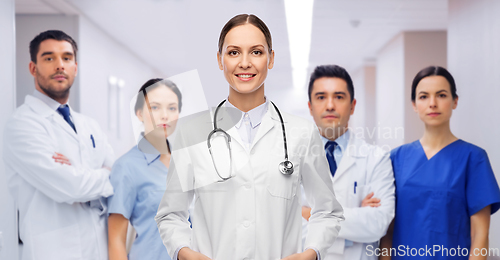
x,y
361,173
57,161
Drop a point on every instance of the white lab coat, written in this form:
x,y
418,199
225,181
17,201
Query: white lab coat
x,y
257,213
370,167
55,222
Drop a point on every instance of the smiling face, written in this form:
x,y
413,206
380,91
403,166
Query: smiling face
x,y
55,69
331,106
245,58
434,102
164,105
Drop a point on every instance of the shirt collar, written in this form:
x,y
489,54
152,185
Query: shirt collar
x,y
255,115
54,105
148,150
341,141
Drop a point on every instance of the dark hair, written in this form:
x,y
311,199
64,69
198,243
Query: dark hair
x,y
50,34
331,71
242,19
152,84
433,71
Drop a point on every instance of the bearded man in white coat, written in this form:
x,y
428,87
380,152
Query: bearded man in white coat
x,y
361,173
57,161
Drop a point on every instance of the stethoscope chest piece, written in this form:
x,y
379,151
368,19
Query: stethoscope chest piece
x,y
286,167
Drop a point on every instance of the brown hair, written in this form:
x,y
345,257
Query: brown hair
x,y
152,84
433,71
50,34
242,19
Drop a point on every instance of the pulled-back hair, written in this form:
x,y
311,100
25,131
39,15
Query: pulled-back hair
x,y
242,19
433,71
152,84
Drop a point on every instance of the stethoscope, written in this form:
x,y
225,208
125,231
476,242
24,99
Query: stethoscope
x,y
285,167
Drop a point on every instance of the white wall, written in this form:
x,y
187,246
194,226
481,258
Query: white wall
x,y
422,49
474,62
8,227
397,65
390,93
363,120
357,120
29,26
100,57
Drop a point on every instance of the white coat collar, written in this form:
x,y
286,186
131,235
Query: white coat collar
x,y
269,119
356,147
38,106
254,114
44,110
353,151
54,105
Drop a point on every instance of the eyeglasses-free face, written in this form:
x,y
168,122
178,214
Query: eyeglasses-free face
x,y
433,102
331,106
245,58
55,69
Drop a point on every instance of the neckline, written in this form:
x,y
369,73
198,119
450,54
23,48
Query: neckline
x,y
425,155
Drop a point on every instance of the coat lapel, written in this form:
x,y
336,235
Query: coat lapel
x,y
268,121
227,120
45,111
348,157
345,164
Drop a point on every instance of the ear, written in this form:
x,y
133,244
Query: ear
x,y
219,61
271,60
414,106
310,108
76,68
353,105
32,67
455,103
138,113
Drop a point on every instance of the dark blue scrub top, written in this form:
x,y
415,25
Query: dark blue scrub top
x,y
435,198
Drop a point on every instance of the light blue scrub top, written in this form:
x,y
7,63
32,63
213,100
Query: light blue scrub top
x,y
435,198
139,181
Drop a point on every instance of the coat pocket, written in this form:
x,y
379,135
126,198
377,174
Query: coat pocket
x,y
281,185
62,243
356,194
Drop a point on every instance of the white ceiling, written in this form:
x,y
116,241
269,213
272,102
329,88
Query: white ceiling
x,y
174,36
336,40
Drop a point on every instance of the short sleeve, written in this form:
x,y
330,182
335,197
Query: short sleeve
x,y
482,187
394,159
396,162
123,200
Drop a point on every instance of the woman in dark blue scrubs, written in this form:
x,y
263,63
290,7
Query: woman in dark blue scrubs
x,y
445,187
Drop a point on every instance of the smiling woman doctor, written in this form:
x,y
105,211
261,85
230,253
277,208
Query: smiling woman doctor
x,y
255,211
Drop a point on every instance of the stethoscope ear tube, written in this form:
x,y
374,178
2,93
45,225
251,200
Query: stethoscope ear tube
x,y
285,167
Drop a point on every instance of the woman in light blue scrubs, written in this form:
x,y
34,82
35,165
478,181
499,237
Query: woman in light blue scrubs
x,y
139,176
445,187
